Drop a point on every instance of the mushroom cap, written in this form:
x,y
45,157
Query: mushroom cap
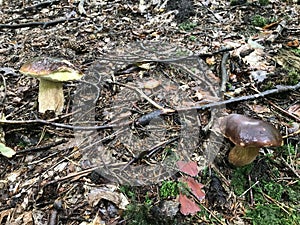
x,y
52,69
247,132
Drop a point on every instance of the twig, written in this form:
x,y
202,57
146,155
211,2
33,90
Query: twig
x,y
291,168
224,73
42,159
210,213
211,12
44,147
221,50
35,6
280,205
150,152
143,95
278,31
279,89
71,175
36,24
292,134
245,192
61,125
5,89
284,111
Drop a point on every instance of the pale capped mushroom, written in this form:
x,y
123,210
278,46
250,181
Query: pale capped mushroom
x,y
51,72
248,135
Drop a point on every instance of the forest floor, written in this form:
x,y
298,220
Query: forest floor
x,y
138,141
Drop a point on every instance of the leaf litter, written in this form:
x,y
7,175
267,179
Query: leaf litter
x,y
83,32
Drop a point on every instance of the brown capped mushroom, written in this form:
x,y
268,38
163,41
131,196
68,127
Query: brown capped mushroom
x,y
51,72
249,135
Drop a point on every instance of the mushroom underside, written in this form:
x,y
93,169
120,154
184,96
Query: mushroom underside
x,y
241,156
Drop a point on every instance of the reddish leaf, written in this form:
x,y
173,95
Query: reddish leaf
x,y
189,168
195,187
188,206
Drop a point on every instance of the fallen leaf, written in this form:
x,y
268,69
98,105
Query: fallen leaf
x,y
6,151
259,75
294,43
151,84
259,108
109,193
254,44
195,186
211,60
189,168
295,109
188,206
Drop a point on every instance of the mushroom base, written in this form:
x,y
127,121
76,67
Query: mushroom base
x,y
51,96
241,156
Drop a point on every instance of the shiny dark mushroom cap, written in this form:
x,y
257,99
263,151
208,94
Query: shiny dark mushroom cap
x,y
48,68
247,132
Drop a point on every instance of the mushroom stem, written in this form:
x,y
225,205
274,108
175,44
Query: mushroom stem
x,y
51,96
241,156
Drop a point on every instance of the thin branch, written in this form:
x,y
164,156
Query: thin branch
x,y
224,73
279,89
281,26
72,175
148,153
44,147
290,167
35,6
284,111
61,125
36,24
221,50
5,90
143,95
245,192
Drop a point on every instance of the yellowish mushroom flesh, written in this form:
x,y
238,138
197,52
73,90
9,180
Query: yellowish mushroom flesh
x,y
51,96
241,156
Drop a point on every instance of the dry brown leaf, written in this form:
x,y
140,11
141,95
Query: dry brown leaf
x,y
295,109
108,192
151,84
188,206
259,108
294,43
211,61
195,186
189,168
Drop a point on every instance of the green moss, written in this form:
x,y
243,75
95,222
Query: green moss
x,y
264,2
192,38
126,190
146,214
293,77
239,179
287,150
137,214
271,214
270,195
168,189
296,51
258,21
187,26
